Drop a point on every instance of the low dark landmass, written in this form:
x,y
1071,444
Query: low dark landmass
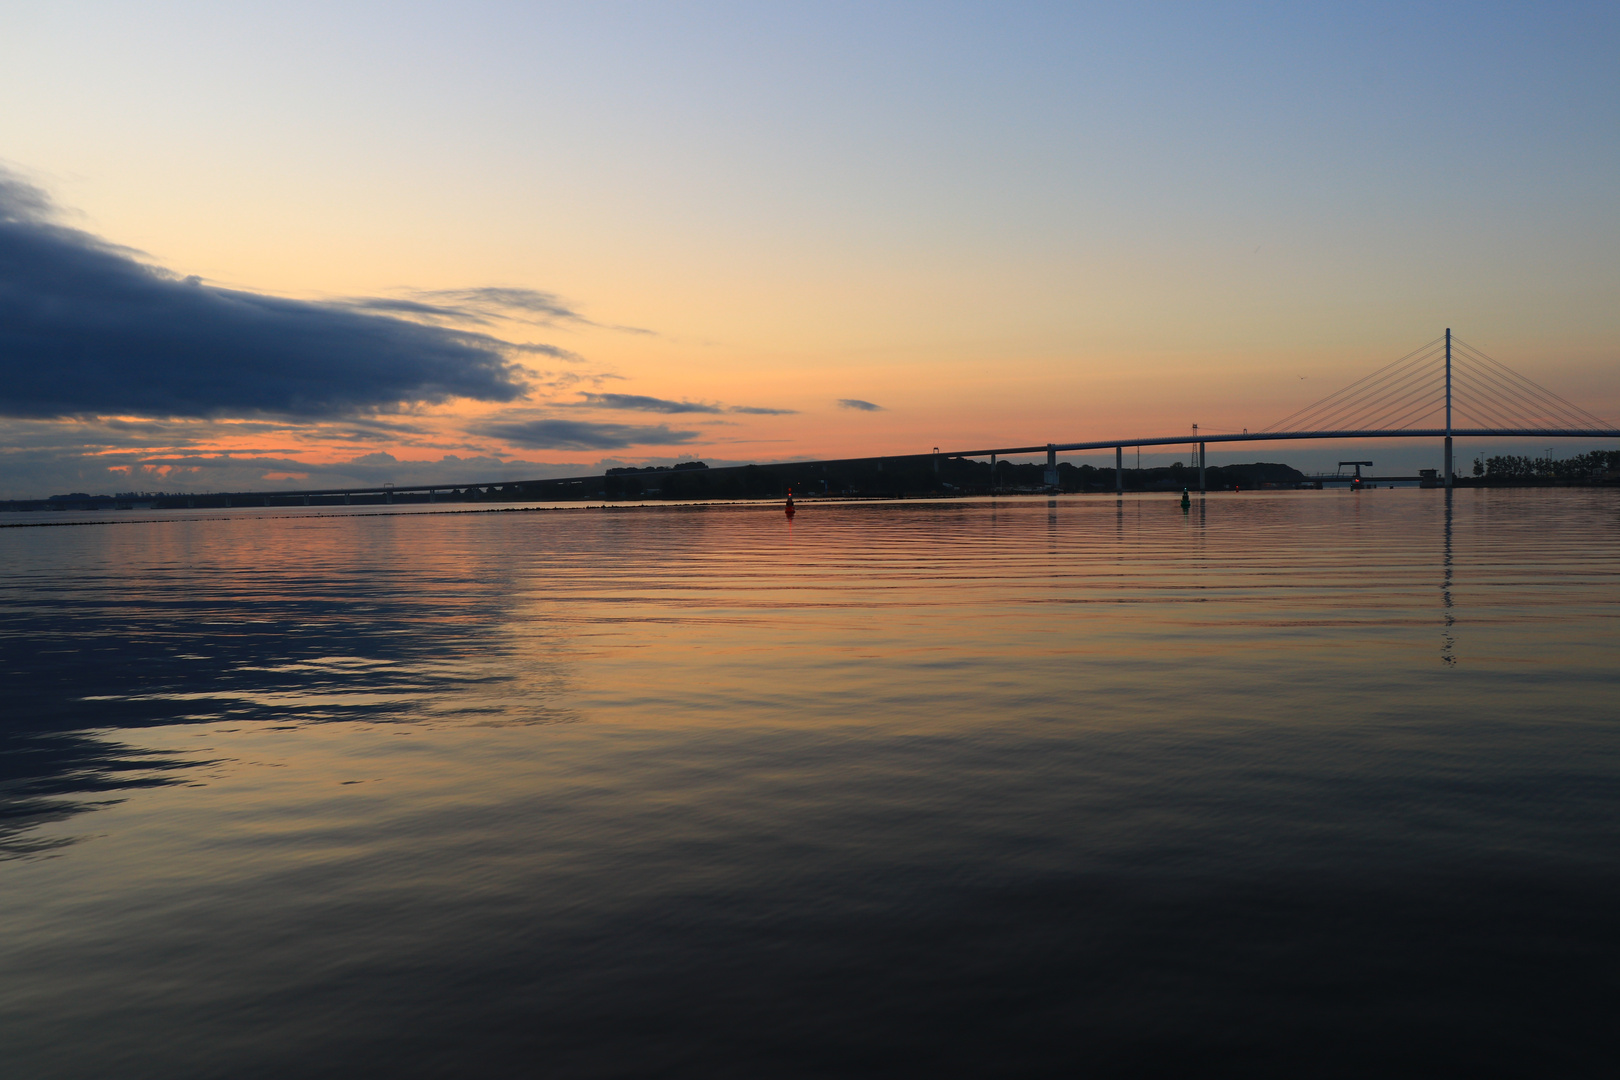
x,y
895,477
916,476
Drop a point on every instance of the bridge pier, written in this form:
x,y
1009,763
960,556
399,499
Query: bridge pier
x,y
1051,465
306,500
1119,470
1448,462
346,499
1201,487
992,474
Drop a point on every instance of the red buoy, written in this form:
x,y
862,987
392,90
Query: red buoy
x,y
790,503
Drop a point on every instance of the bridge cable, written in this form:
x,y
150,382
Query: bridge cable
x,y
1429,404
1509,398
1352,389
1506,395
1556,405
1487,388
1347,401
1405,391
1416,393
1482,413
1338,414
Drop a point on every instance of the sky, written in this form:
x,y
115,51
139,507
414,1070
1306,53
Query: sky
x,y
298,245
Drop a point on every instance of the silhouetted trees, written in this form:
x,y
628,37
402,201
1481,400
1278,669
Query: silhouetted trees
x,y
1582,468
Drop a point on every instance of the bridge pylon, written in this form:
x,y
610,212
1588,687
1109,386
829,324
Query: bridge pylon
x,y
1449,473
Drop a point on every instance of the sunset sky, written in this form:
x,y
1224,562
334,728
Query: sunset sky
x,y
246,246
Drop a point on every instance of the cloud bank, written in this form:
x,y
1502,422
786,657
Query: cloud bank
x,y
857,403
86,329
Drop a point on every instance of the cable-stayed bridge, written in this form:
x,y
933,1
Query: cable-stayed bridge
x,y
1443,389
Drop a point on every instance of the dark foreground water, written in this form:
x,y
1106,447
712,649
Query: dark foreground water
x,y
1314,784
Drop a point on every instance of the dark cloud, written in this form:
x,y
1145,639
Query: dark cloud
x,y
583,434
641,403
500,300
86,328
857,403
102,434
486,303
111,433
416,308
548,350
564,380
481,305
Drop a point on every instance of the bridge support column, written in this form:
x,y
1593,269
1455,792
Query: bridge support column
x,y
1448,462
1201,487
1119,470
1051,466
346,499
433,496
992,474
306,500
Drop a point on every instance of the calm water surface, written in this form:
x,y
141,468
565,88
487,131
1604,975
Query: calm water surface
x,y
1307,784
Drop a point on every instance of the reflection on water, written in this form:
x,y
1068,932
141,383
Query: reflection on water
x,y
1019,786
1448,643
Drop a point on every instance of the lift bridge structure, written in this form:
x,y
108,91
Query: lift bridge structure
x,y
1444,389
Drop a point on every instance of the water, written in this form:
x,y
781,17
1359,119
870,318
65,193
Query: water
x,y
1313,783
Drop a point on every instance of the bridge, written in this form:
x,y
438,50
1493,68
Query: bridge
x,y
1445,389
1421,395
